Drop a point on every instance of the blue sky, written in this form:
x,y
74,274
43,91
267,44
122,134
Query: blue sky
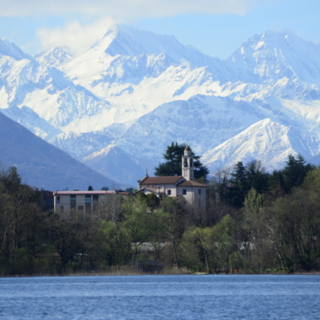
x,y
215,27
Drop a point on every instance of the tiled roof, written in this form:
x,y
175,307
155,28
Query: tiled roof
x,y
161,180
191,184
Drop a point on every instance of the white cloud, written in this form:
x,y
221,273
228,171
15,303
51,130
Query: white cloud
x,y
126,9
74,36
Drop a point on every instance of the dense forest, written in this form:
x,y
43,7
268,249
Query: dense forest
x,y
255,222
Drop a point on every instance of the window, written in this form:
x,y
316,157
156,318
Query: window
x,y
95,198
88,199
199,192
191,163
169,192
88,202
73,201
58,199
184,192
185,163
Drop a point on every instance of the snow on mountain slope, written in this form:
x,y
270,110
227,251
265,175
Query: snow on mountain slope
x,y
136,71
115,163
54,57
202,121
276,55
126,41
31,120
11,50
265,140
47,91
140,91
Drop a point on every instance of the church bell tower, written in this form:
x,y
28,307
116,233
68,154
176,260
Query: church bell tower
x,y
187,164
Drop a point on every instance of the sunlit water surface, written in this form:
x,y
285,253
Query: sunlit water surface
x,y
161,297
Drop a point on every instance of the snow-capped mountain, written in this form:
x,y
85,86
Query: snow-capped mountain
x,y
134,92
265,140
54,57
273,56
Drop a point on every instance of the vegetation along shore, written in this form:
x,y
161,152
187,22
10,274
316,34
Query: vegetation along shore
x,y
254,222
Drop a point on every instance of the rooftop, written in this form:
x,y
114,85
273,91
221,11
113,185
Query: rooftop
x,y
84,192
161,180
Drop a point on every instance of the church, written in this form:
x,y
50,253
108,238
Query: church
x,y
183,186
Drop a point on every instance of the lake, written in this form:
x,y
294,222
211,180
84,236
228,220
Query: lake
x,y
161,297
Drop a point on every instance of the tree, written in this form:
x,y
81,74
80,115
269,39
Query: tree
x,y
239,185
172,165
257,177
295,171
254,230
152,201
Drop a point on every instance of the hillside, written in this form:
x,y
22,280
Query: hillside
x,y
42,165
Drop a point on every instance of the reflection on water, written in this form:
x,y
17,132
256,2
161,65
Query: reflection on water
x,y
161,297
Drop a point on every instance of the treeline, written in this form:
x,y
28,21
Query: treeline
x,y
254,222
270,221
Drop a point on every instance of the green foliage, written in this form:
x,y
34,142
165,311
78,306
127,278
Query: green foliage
x,y
152,201
266,233
209,248
116,246
172,165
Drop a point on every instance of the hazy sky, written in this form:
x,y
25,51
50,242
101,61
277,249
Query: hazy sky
x,y
215,27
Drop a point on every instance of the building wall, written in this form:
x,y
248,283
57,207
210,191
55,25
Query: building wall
x,y
163,188
195,196
62,202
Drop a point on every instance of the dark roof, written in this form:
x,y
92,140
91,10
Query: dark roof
x,y
191,184
161,180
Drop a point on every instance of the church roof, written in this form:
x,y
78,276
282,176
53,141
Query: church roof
x,y
191,183
161,180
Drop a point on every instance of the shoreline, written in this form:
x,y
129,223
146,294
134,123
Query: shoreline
x,y
115,274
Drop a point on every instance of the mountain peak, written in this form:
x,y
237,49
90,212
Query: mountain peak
x,y
11,50
54,57
277,55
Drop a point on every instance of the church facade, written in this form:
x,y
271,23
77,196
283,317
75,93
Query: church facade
x,y
183,186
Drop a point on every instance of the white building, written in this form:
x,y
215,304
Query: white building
x,y
177,186
79,201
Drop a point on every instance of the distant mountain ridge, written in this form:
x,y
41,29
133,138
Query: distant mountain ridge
x,y
135,92
42,165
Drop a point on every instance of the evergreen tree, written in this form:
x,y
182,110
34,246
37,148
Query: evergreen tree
x,y
172,165
239,185
257,177
295,171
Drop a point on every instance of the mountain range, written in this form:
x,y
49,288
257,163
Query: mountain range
x,y
117,106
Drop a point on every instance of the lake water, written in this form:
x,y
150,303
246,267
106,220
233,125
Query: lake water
x,y
161,297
